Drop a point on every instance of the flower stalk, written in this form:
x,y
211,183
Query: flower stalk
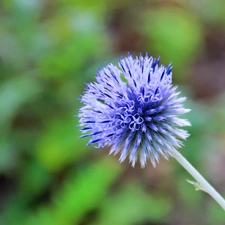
x,y
204,185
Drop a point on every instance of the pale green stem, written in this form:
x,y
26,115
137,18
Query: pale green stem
x,y
200,179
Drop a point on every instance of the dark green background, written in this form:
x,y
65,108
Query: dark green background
x,y
48,49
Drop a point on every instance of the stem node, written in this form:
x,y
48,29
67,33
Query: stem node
x,y
201,183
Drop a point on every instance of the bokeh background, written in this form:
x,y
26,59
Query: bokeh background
x,y
48,50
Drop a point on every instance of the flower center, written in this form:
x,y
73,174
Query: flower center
x,y
136,122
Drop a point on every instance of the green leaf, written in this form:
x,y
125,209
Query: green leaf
x,y
173,34
59,144
13,94
132,205
81,194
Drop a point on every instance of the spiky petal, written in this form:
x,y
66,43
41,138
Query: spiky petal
x,y
134,109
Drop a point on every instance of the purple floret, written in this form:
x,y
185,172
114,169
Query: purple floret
x,y
135,110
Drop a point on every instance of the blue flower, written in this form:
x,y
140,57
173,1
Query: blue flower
x,y
134,109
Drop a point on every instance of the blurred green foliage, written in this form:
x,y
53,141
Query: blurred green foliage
x,y
172,32
48,50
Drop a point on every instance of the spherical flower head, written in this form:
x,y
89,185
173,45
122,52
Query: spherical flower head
x,y
134,109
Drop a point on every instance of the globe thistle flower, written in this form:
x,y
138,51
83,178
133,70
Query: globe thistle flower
x,y
134,109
